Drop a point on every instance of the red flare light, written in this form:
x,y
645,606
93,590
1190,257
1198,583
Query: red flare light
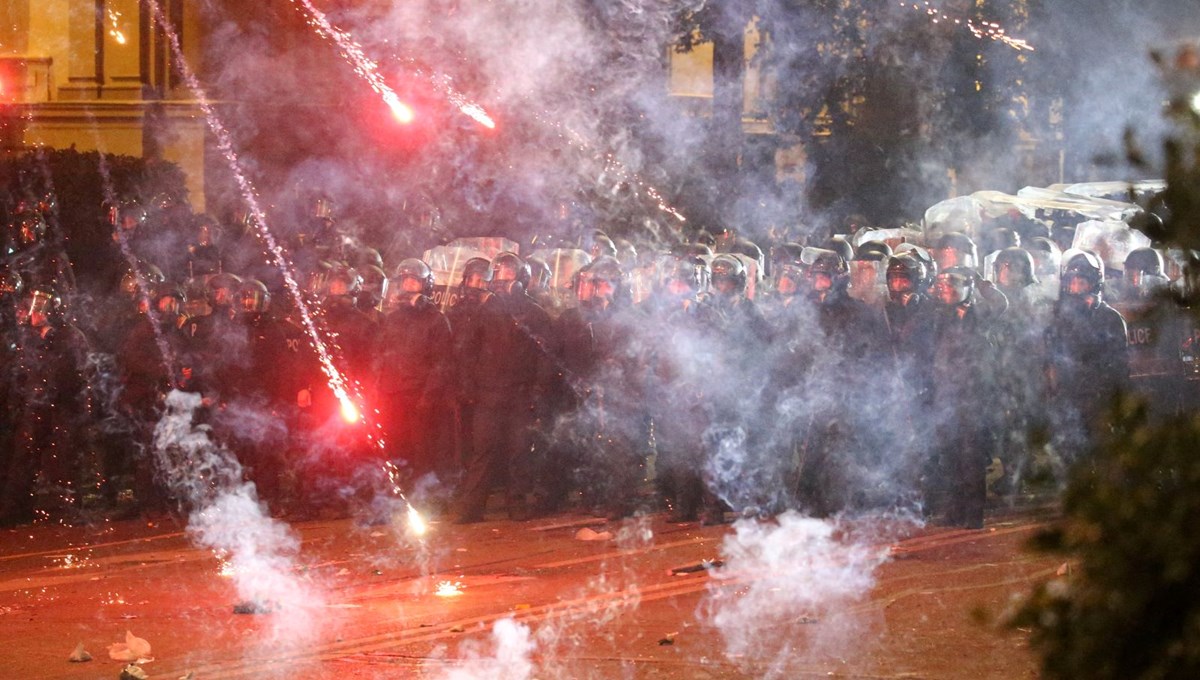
x,y
350,412
402,112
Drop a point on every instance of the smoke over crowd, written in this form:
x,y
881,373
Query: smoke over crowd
x,y
758,347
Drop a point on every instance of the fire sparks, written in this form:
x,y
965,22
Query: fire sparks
x,y
350,412
469,108
984,30
114,18
72,562
416,523
353,53
612,164
448,589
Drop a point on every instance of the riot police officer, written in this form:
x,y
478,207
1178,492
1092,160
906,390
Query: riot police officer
x,y
412,373
962,422
512,351
1087,360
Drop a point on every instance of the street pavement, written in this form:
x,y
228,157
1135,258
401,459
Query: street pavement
x,y
570,596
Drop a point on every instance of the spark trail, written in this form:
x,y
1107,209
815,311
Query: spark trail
x,y
984,30
340,385
352,52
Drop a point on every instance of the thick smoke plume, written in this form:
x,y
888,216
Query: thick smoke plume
x,y
779,577
507,656
226,517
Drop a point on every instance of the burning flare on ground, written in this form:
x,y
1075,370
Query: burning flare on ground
x,y
448,589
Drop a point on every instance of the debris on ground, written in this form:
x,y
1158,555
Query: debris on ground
x,y
254,607
586,534
457,629
190,675
668,639
133,649
702,565
80,654
1064,569
133,672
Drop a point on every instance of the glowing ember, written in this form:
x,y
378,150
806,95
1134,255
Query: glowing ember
x,y
469,108
71,562
113,599
416,523
613,165
448,589
226,570
114,18
350,412
403,112
353,53
989,30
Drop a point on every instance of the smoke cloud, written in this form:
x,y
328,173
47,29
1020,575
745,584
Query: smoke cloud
x,y
226,517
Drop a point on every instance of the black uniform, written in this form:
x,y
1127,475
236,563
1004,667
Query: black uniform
x,y
511,357
413,382
1087,363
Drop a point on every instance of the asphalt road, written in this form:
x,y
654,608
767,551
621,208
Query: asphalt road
x,y
790,598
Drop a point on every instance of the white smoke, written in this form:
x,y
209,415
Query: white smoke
x,y
506,656
795,571
226,517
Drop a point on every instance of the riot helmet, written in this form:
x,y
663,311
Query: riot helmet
x,y
126,215
955,249
728,275
253,297
374,287
11,284
1014,269
195,301
342,283
1082,274
602,245
1144,272
38,307
601,282
413,277
841,245
25,230
510,274
684,277
827,272
139,279
367,256
627,253
168,299
222,290
477,273
789,269
877,251
954,286
906,275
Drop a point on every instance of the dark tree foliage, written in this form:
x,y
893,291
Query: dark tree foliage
x,y
78,181
1131,610
882,98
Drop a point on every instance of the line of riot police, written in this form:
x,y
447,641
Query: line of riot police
x,y
859,377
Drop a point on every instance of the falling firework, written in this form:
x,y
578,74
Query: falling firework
x,y
984,30
353,53
338,382
611,163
